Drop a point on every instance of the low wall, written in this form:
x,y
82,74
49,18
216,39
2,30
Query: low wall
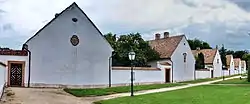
x,y
2,78
122,75
202,73
226,72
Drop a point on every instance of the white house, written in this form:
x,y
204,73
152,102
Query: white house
x,y
230,64
176,56
237,65
69,50
243,66
212,60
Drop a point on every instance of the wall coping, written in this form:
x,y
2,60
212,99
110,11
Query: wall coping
x,y
136,68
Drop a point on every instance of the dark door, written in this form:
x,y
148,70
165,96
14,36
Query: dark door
x,y
212,73
167,75
15,74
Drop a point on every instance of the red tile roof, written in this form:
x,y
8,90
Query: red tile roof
x,y
209,54
229,57
166,46
14,52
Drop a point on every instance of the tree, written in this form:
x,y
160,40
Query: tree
x,y
223,55
199,63
239,54
125,43
198,43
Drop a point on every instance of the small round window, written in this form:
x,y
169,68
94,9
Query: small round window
x,y
74,40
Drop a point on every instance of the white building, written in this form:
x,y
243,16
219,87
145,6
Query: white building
x,y
243,66
69,50
230,64
176,56
212,60
237,65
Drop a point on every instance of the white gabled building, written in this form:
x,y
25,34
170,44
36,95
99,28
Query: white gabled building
x,y
212,60
230,64
69,50
237,65
176,56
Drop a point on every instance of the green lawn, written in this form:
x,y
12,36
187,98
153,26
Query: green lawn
x,y
209,94
207,79
234,81
113,90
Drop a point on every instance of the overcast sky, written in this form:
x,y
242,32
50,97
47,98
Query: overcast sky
x,y
215,21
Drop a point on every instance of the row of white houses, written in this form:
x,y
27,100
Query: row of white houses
x,y
70,51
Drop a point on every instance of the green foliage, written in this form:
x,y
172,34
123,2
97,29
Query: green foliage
x,y
125,43
239,54
223,55
198,43
199,63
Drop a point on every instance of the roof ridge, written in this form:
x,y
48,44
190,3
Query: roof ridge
x,y
168,37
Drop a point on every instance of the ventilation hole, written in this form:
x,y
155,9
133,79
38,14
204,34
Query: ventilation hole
x,y
74,19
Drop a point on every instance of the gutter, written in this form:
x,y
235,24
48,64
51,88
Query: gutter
x,y
25,47
110,68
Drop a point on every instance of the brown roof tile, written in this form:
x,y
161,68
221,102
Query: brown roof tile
x,y
209,54
14,52
166,46
237,62
229,57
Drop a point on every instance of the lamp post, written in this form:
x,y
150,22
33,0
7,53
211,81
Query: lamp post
x,y
223,68
131,56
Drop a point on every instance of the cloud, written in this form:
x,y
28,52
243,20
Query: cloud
x,y
209,20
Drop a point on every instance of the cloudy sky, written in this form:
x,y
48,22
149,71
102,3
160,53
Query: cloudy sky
x,y
215,21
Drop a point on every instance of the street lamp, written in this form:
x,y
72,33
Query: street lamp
x,y
131,56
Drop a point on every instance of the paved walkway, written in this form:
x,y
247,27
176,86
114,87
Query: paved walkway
x,y
98,98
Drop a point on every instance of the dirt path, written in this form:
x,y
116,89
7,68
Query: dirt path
x,y
39,96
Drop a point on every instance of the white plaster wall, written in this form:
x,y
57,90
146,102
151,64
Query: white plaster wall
x,y
2,78
162,67
202,74
141,76
217,66
6,58
225,72
56,61
183,71
232,67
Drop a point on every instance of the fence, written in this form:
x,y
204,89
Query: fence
x,y
202,73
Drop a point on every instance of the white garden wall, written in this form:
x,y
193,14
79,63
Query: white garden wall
x,y
2,78
6,58
141,76
225,72
201,74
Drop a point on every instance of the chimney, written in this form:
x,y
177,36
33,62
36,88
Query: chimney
x,y
198,48
157,36
166,34
216,47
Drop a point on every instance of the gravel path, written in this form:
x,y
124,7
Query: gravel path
x,y
15,95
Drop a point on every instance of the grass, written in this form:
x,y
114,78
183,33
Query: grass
x,y
207,94
233,81
207,79
113,90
